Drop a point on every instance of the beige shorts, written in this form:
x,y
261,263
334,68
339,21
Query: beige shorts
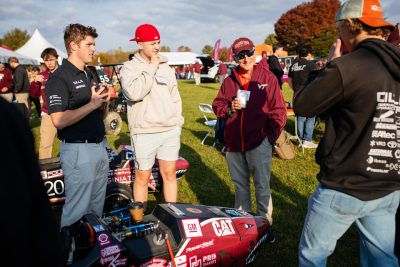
x,y
163,146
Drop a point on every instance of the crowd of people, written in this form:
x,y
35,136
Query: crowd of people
x,y
356,91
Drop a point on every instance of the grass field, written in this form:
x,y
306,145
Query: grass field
x,y
208,182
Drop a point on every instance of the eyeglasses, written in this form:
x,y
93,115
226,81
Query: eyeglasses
x,y
242,54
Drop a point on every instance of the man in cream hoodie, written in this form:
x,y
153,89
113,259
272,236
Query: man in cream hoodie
x,y
154,113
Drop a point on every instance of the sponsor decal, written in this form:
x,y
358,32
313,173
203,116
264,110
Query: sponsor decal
x,y
216,211
98,228
376,8
192,228
180,261
392,144
80,86
194,262
194,210
200,246
386,97
386,126
381,152
383,134
233,212
397,154
77,82
371,160
114,261
253,253
103,239
369,169
209,259
223,227
159,262
110,250
175,210
387,120
248,225
393,166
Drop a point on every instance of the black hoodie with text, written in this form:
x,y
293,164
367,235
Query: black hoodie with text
x,y
360,93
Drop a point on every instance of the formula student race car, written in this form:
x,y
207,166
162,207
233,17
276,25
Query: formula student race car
x,y
178,235
120,177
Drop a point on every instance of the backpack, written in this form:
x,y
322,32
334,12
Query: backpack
x,y
284,148
219,129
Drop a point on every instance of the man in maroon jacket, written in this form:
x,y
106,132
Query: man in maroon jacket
x,y
6,83
251,101
47,130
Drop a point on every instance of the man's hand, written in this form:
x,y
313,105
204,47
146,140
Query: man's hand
x,y
155,60
334,51
39,78
236,105
4,89
99,98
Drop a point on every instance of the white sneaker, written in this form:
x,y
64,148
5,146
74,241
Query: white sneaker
x,y
309,144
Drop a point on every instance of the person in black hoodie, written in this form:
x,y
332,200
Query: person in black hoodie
x,y
359,155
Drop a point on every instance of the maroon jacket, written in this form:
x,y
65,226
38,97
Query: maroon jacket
x,y
40,86
6,80
222,69
264,115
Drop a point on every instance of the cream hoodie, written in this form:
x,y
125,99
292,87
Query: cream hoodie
x,y
154,103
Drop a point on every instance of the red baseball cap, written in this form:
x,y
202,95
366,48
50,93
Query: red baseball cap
x,y
242,44
367,11
146,33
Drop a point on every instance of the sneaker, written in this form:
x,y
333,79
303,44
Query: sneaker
x,y
309,144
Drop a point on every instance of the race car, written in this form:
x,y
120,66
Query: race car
x,y
177,235
121,176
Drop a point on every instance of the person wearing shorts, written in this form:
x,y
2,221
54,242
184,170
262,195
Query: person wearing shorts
x,y
154,113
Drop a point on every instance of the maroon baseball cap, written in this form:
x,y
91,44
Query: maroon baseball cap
x,y
146,33
242,44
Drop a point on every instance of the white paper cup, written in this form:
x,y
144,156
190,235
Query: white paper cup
x,y
243,100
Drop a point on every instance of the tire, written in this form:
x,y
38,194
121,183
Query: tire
x,y
117,196
113,123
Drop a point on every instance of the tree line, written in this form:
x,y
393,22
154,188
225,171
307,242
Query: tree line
x,y
310,23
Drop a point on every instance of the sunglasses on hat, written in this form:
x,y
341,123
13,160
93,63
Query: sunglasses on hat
x,y
242,54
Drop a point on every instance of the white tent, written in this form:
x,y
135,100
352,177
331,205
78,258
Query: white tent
x,y
36,44
180,58
5,54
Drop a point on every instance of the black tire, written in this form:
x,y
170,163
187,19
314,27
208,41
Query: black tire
x,y
113,123
117,196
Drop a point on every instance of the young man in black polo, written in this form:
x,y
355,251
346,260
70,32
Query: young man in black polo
x,y
76,111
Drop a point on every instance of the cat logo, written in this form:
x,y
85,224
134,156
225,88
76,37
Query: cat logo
x,y
223,227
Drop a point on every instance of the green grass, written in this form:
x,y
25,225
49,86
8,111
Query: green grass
x,y
208,182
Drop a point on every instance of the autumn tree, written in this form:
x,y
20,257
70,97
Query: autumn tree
x,y
223,54
184,48
15,38
207,49
165,48
270,39
309,23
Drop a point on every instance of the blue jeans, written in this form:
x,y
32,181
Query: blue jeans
x,y
330,213
305,128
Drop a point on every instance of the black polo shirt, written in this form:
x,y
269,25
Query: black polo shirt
x,y
69,88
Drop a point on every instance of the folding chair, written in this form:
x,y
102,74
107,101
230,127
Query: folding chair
x,y
206,109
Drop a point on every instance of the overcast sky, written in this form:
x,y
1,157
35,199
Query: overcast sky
x,y
193,23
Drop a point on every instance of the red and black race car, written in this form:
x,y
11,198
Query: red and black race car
x,y
178,235
120,177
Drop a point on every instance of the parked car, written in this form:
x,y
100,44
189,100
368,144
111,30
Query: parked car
x,y
209,72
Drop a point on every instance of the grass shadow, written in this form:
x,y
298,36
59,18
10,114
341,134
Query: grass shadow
x,y
204,182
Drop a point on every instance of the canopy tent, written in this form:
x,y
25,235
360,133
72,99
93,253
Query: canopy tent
x,y
36,44
180,58
5,54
